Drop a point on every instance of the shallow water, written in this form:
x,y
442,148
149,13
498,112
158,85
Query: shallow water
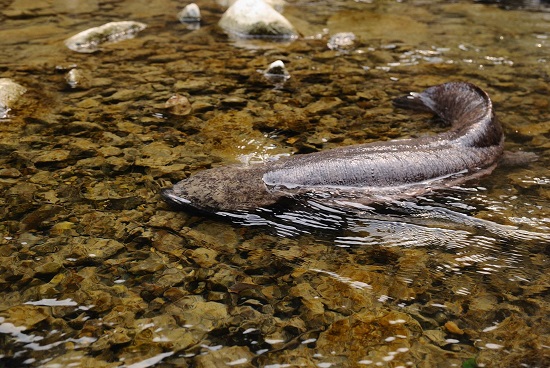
x,y
96,270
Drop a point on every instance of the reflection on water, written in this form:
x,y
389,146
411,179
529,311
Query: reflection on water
x,y
97,271
448,245
476,245
396,217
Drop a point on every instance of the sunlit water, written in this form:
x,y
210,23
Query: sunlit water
x,y
96,270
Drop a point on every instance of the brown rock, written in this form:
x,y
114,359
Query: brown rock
x,y
453,328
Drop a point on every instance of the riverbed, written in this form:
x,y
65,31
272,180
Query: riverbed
x,y
96,270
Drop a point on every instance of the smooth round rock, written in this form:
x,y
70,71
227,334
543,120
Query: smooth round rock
x,y
276,72
9,94
343,41
191,13
90,40
256,18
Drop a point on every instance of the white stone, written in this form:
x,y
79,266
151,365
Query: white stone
x,y
256,18
276,4
90,40
276,73
342,41
191,13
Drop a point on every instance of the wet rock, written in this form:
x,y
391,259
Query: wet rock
x,y
20,197
370,336
524,343
48,268
155,154
10,173
80,249
483,303
40,217
110,151
169,243
167,219
276,73
125,95
83,127
55,155
148,266
171,277
78,79
172,337
234,101
204,257
25,316
323,105
44,178
436,336
178,105
90,40
238,356
83,147
453,328
173,294
343,41
276,4
220,238
230,146
190,14
63,228
85,361
203,316
284,117
175,172
111,338
312,306
108,191
193,85
226,277
255,18
203,106
9,95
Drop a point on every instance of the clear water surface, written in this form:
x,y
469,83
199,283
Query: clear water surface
x,y
96,270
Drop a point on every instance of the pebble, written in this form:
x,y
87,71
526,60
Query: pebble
x,y
343,41
78,79
276,73
453,328
191,13
234,101
178,105
10,173
55,155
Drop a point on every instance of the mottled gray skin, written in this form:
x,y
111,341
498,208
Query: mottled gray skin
x,y
367,173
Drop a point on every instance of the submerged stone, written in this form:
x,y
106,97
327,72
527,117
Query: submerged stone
x,y
78,79
9,94
24,317
343,41
178,105
239,356
256,18
276,73
90,40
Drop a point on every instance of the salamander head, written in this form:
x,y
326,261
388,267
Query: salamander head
x,y
228,188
